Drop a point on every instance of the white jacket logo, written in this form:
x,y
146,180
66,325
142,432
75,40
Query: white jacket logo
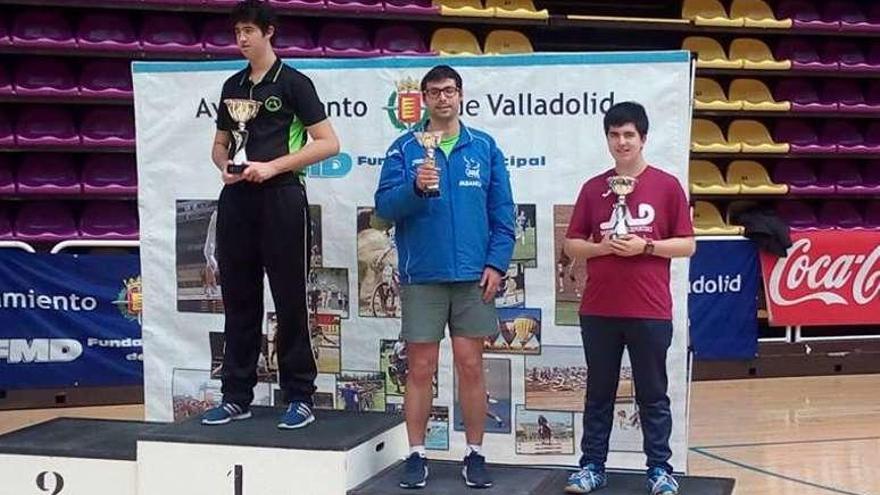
x,y
645,218
830,274
471,168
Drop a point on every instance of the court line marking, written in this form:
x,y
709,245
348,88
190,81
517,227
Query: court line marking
x,y
789,442
766,472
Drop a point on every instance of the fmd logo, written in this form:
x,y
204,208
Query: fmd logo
x,y
334,167
15,351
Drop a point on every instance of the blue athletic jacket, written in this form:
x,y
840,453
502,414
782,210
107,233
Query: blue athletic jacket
x,y
451,238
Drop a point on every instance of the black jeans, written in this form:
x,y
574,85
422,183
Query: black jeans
x,y
647,341
265,228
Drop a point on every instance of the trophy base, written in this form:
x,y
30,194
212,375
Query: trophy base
x,y
432,193
235,169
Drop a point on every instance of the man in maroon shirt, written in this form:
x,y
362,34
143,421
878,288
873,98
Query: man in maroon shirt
x,y
626,300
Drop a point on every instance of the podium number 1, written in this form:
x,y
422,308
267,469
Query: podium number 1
x,y
50,482
237,473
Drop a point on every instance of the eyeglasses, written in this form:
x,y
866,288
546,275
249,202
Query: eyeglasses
x,y
448,91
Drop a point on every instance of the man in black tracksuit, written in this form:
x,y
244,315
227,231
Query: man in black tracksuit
x,y
263,220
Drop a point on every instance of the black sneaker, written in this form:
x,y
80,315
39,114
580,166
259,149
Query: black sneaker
x,y
415,472
474,471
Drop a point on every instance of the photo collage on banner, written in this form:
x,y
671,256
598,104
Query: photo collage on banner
x,y
198,275
534,366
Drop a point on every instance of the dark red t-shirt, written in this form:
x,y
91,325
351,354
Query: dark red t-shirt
x,y
637,286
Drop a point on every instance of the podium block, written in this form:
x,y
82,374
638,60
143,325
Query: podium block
x,y
253,457
69,456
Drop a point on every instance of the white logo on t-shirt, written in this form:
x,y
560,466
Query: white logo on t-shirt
x,y
641,223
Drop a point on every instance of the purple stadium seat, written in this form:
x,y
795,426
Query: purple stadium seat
x,y
872,136
106,79
345,40
45,125
6,231
43,28
45,77
801,137
355,5
107,31
411,7
845,135
5,82
848,55
218,38
5,40
112,174
872,215
845,175
298,4
112,127
803,55
851,16
400,39
7,175
7,137
166,33
797,214
871,174
800,177
295,39
45,221
848,95
803,96
48,173
111,220
804,15
839,215
874,55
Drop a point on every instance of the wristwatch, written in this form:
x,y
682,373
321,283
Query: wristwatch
x,y
649,247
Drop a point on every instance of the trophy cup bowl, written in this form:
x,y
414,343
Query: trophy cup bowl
x,y
241,110
430,141
621,185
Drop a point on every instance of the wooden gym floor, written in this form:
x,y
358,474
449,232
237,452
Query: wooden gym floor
x,y
782,436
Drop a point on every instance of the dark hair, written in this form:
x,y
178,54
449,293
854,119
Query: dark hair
x,y
257,12
627,112
441,73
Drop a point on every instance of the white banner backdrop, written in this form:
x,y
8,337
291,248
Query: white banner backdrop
x,y
545,110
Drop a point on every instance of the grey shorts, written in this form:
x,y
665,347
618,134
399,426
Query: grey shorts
x,y
428,308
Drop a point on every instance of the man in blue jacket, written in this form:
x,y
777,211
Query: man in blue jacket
x,y
453,249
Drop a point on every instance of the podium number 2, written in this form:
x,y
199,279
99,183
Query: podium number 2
x,y
237,473
50,482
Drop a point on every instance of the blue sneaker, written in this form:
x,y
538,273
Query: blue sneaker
x,y
225,413
661,483
589,479
415,472
474,471
298,414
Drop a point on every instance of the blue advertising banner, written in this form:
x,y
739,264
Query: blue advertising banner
x,y
722,300
69,320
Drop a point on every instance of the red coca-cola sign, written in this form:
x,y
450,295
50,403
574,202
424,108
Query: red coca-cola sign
x,y
828,278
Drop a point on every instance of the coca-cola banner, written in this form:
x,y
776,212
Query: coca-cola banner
x,y
828,278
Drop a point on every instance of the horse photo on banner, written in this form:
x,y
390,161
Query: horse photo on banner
x,y
544,110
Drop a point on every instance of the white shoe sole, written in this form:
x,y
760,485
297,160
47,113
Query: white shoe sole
x,y
230,419
285,426
420,484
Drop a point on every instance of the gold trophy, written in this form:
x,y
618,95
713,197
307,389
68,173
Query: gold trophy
x,y
430,141
241,111
620,185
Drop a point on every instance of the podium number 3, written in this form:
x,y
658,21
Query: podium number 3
x,y
237,473
50,482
